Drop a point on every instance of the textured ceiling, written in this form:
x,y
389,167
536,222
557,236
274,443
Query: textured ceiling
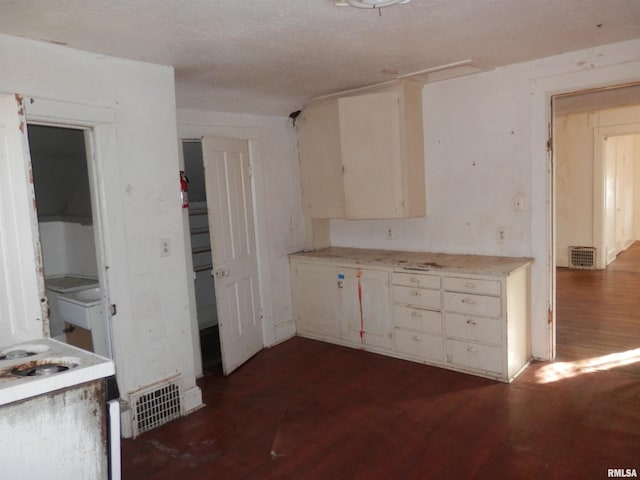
x,y
271,56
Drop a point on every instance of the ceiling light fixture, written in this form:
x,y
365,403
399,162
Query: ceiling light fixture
x,y
369,3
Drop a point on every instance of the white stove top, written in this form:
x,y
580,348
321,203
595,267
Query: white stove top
x,y
32,375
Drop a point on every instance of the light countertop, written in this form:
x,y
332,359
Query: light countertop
x,y
422,261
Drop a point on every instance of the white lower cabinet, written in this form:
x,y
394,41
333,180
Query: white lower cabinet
x,y
487,324
316,299
364,307
418,345
469,322
475,356
417,317
474,329
339,303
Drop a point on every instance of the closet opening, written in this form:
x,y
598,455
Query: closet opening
x,y
204,280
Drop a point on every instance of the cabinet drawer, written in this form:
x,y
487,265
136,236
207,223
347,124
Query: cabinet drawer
x,y
472,285
416,280
475,356
475,329
417,297
418,344
472,304
426,321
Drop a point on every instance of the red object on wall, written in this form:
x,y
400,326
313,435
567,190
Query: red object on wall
x,y
184,191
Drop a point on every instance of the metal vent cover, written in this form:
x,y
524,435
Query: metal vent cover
x,y
582,257
156,405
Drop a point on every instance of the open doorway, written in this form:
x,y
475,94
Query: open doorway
x,y
596,159
204,281
595,153
64,203
232,256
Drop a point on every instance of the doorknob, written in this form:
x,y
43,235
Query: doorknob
x,y
222,272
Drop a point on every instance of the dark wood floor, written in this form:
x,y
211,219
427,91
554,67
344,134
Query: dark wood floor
x,y
598,312
311,410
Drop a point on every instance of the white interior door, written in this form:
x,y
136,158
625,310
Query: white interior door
x,y
235,263
619,195
610,199
625,181
23,304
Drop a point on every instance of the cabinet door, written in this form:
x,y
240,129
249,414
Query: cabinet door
x,y
365,307
315,299
371,154
320,161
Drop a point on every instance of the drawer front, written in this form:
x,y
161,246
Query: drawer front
x,y
472,285
472,304
474,356
416,280
426,321
417,297
418,344
475,329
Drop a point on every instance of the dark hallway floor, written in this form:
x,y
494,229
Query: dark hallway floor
x,y
210,350
310,410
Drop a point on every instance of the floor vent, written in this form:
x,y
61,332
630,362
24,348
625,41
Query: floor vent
x,y
582,257
156,405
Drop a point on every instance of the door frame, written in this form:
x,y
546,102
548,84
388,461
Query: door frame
x,y
543,279
96,123
195,132
601,223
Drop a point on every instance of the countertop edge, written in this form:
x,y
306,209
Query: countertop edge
x,y
414,261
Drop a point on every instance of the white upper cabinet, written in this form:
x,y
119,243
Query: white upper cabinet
x,y
321,161
382,153
362,154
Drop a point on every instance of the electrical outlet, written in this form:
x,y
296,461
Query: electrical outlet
x,y
165,247
389,233
500,234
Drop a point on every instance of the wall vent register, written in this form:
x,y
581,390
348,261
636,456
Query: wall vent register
x,y
156,406
582,257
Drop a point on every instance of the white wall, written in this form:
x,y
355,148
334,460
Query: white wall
x,y
573,145
280,221
485,144
68,248
138,182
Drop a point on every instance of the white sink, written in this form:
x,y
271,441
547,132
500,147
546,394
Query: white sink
x,y
86,298
82,308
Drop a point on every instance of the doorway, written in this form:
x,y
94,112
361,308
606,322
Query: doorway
x,y
232,255
595,149
596,192
204,282
64,193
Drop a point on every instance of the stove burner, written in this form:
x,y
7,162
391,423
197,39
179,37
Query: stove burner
x,y
49,369
43,369
16,354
